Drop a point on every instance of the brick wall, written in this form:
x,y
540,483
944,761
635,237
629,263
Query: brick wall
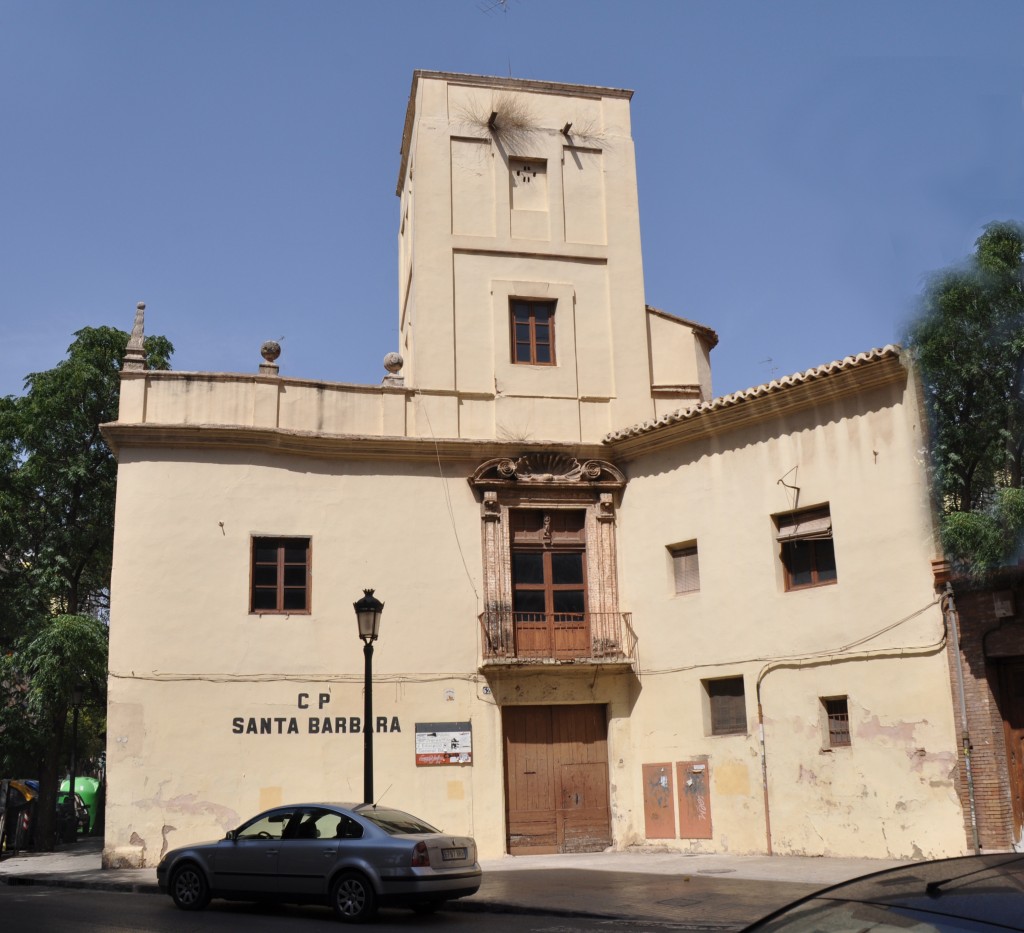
x,y
987,635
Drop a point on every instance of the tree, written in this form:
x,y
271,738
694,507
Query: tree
x,y
968,344
57,486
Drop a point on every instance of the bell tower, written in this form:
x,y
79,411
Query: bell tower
x,y
521,296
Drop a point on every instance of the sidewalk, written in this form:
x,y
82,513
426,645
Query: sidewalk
x,y
712,892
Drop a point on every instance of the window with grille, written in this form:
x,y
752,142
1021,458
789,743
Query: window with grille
x,y
280,576
837,718
533,332
685,567
726,705
807,551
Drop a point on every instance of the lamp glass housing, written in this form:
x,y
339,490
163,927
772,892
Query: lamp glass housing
x,y
368,613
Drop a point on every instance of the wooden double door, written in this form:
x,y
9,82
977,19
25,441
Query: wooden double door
x,y
556,779
1011,704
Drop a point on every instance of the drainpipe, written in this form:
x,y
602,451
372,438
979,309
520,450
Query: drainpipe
x,y
953,619
764,770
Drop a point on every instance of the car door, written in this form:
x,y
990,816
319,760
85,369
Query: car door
x,y
249,862
308,852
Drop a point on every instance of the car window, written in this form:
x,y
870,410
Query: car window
x,y
267,826
395,822
348,829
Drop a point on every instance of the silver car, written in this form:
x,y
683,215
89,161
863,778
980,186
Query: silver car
x,y
353,857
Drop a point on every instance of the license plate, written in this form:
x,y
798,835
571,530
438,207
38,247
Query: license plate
x,y
450,855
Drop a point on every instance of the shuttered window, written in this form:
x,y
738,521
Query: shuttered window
x,y
727,705
685,568
806,547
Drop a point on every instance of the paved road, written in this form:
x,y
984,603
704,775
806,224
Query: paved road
x,y
34,909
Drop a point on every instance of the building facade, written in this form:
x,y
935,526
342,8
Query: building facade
x,y
618,610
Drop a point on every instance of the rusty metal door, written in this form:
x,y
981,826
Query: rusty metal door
x,y
694,799
556,779
659,805
1011,690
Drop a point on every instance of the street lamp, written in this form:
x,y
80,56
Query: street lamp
x,y
368,612
70,801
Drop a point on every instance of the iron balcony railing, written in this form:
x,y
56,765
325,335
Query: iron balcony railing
x,y
557,636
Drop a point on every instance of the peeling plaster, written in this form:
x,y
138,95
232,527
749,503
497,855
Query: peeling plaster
x,y
806,776
164,830
190,805
898,732
941,762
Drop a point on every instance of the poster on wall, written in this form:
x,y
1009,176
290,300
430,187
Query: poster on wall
x,y
444,743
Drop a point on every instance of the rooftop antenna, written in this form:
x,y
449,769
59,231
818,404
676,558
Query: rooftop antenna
x,y
773,370
492,6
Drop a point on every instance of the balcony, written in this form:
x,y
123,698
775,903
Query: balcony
x,y
525,638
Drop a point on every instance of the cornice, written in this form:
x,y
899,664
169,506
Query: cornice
x,y
329,446
702,329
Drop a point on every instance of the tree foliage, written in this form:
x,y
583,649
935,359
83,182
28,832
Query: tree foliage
x,y
57,487
969,346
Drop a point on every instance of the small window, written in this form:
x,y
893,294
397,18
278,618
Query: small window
x,y
727,706
836,712
685,567
280,575
533,332
807,552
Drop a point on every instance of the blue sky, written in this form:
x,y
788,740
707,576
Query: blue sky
x,y
802,165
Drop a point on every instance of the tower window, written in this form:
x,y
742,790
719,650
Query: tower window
x,y
533,332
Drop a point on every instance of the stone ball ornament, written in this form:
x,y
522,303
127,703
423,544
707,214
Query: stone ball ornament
x,y
393,362
270,350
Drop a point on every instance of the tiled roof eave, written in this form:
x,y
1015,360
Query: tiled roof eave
x,y
822,383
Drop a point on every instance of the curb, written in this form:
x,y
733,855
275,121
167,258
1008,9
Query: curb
x,y
50,881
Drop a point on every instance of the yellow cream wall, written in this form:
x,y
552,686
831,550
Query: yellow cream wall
x,y
875,636
187,658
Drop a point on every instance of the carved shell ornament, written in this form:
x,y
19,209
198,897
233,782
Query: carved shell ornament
x,y
547,468
543,468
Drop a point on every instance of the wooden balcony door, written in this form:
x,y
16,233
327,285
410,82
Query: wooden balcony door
x,y
549,584
556,779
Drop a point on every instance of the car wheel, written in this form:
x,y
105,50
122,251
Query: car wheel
x,y
427,907
353,898
189,889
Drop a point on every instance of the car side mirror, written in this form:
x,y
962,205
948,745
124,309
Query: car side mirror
x,y
231,834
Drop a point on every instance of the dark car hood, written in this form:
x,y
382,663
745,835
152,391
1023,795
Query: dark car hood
x,y
989,888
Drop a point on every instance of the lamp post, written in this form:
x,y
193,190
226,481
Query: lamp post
x,y
70,801
368,612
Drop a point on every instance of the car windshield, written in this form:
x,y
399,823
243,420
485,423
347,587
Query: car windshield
x,y
395,822
265,826
823,916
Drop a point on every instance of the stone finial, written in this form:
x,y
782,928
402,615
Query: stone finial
x,y
270,351
393,363
135,352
